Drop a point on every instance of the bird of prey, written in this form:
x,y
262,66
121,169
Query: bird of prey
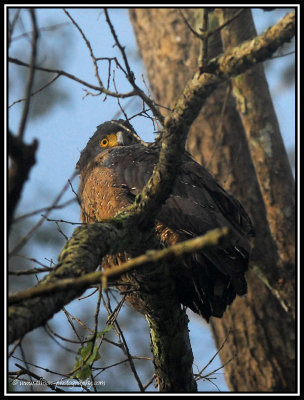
x,y
114,167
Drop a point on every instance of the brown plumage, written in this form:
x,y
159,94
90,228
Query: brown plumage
x,y
114,167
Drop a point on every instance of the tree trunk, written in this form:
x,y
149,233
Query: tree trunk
x,y
236,136
168,323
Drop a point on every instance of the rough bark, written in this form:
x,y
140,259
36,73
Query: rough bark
x,y
262,339
168,323
255,108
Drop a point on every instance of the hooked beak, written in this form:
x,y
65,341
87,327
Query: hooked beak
x,y
121,141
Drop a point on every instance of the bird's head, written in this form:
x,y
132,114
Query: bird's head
x,y
109,134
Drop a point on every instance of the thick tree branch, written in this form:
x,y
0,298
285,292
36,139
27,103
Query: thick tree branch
x,y
22,160
168,323
211,238
249,53
233,62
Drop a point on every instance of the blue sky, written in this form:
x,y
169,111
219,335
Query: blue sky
x,y
64,131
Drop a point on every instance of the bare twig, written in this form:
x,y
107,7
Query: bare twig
x,y
26,237
88,46
39,378
11,25
122,342
30,271
52,335
199,36
102,369
283,55
61,220
14,347
74,78
129,73
150,381
203,57
38,211
36,91
227,22
213,357
41,29
126,350
39,367
130,359
30,79
112,318
207,34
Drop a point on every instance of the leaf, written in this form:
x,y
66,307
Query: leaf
x,y
84,373
86,357
84,362
106,330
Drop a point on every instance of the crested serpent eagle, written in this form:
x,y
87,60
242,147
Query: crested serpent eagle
x,y
114,167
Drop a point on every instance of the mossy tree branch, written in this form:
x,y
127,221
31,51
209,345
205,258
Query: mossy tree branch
x,y
151,257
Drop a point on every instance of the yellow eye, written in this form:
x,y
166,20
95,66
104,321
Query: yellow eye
x,y
104,142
